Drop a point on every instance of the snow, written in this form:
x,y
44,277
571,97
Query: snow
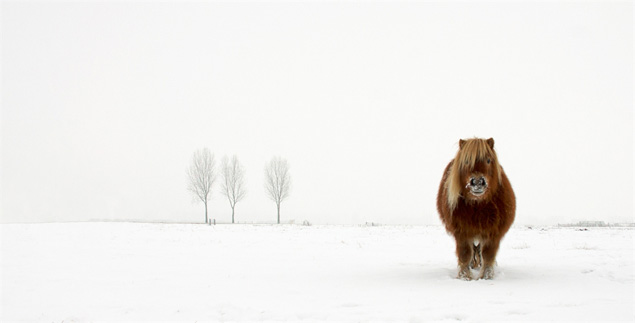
x,y
187,272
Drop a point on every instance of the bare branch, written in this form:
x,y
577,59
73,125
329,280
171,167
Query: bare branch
x,y
233,185
202,175
277,181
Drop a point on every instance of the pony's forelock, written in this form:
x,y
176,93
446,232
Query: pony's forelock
x,y
470,152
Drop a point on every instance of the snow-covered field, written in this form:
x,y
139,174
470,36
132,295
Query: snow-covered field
x,y
125,271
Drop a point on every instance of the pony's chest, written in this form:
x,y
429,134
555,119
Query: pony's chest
x,y
477,215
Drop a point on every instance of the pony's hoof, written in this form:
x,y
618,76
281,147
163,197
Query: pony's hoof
x,y
488,273
465,274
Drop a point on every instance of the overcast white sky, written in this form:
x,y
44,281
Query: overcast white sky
x,y
104,103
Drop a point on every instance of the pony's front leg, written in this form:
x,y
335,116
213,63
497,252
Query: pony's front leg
x,y
476,258
489,259
464,251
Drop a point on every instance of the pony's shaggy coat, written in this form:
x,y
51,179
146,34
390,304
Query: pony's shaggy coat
x,y
477,222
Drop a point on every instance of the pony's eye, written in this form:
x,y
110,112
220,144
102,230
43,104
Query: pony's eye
x,y
488,160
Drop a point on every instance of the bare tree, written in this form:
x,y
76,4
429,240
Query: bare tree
x,y
202,175
277,181
233,185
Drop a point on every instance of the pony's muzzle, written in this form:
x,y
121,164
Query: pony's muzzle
x,y
477,185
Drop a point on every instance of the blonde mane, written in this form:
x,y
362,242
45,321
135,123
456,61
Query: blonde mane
x,y
470,152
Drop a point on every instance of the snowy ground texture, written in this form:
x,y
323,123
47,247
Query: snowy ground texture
x,y
179,272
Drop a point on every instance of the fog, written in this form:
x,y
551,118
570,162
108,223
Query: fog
x,y
104,103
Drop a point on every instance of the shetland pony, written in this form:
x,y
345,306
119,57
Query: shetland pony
x,y
477,205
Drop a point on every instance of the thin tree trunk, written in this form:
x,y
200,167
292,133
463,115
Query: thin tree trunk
x,y
232,214
278,213
206,221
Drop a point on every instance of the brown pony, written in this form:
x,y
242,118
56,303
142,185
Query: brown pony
x,y
477,205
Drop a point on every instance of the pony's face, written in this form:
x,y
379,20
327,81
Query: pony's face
x,y
475,174
479,169
478,180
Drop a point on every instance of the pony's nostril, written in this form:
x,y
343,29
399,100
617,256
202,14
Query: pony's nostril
x,y
478,182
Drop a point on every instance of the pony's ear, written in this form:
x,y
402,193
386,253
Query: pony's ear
x,y
461,143
490,142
